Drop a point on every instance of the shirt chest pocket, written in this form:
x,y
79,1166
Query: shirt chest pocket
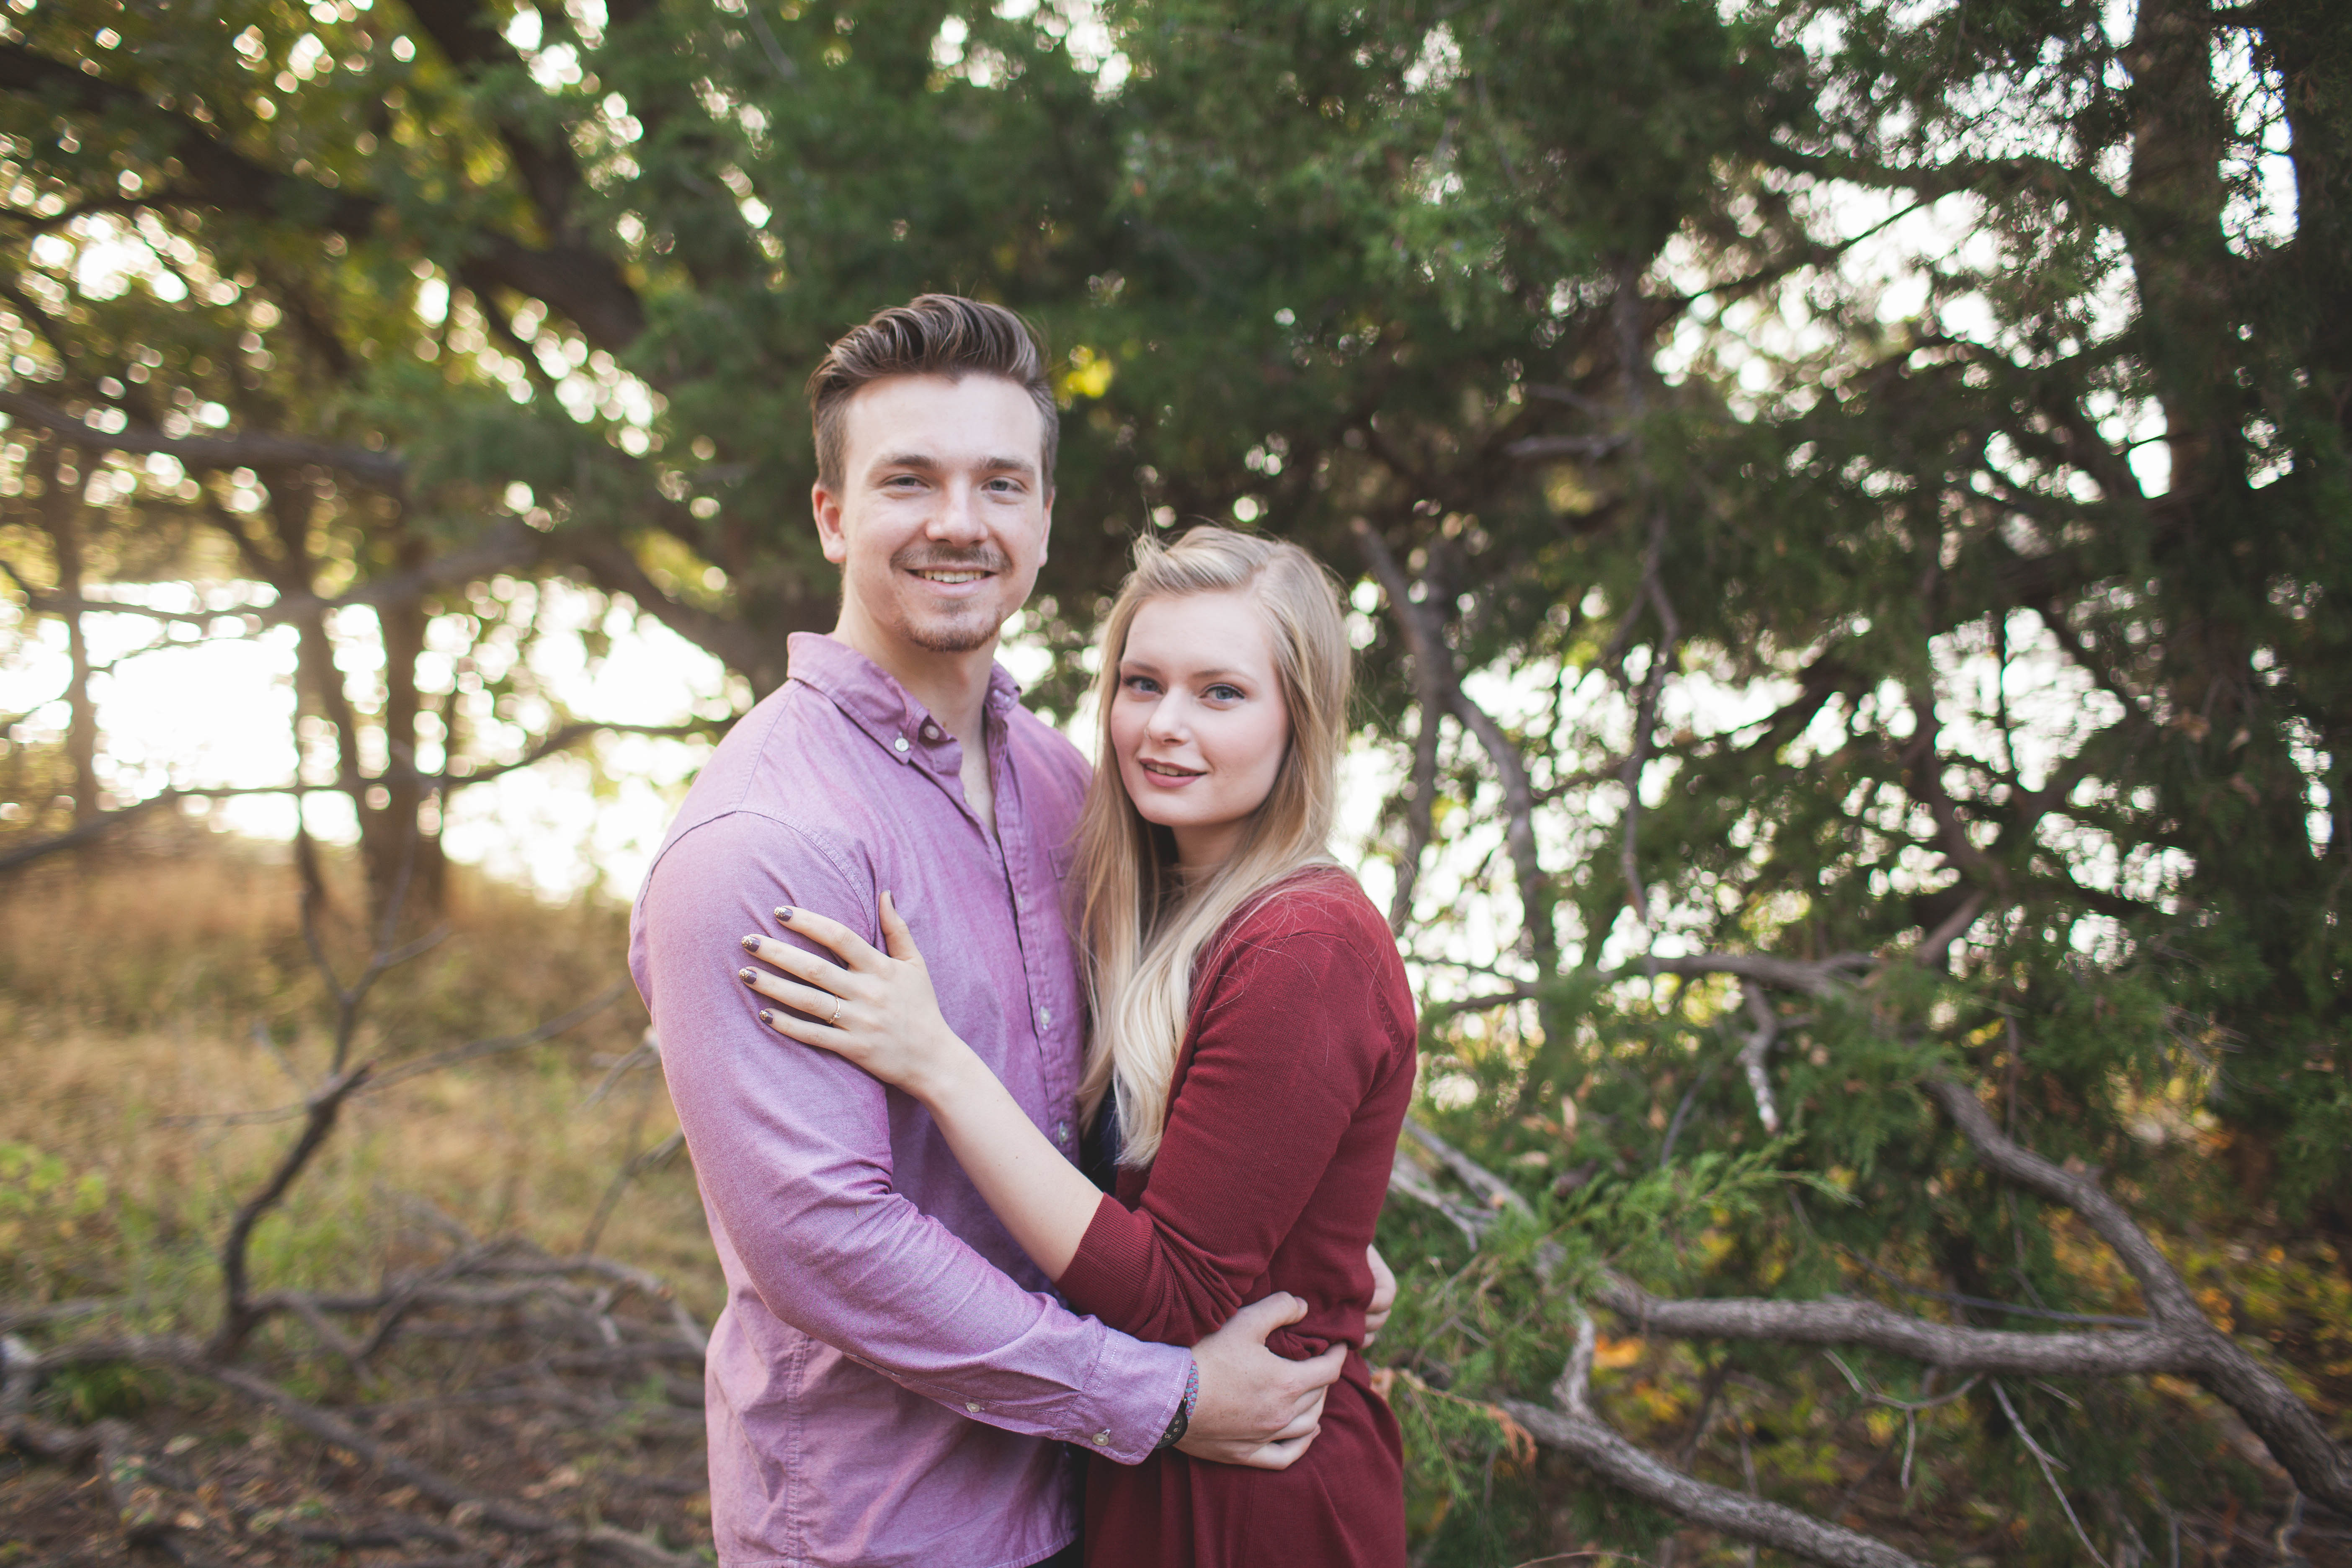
x,y
1063,856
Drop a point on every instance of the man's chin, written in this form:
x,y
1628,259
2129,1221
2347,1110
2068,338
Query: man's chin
x,y
960,634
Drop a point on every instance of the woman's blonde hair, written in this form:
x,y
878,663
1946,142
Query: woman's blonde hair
x,y
1142,923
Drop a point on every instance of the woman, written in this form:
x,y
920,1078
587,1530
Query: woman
x,y
1252,1056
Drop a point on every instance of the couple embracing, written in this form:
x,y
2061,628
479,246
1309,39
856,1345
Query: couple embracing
x,y
921,980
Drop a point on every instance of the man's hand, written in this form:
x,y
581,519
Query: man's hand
x,y
1255,1408
1376,1316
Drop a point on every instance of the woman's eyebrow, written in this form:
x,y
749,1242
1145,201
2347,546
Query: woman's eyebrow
x,y
1217,672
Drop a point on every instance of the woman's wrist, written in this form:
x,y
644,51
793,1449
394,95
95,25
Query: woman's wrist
x,y
947,1079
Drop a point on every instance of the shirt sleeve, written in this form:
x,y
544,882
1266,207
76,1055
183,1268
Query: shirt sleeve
x,y
792,1147
1290,1044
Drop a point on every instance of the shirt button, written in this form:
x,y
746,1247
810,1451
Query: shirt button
x,y
1061,1132
930,731
899,745
972,1406
1102,1439
1044,1017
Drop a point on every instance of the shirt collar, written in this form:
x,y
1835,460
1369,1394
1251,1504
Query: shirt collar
x,y
871,696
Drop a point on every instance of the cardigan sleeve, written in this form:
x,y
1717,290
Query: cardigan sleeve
x,y
1289,1040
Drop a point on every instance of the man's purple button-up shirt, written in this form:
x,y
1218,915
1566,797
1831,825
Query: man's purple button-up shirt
x,y
891,1373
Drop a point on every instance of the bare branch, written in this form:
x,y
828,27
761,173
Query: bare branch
x,y
1614,1459
2182,1340
1850,1322
475,1050
1814,977
205,453
1433,669
2292,1431
239,1317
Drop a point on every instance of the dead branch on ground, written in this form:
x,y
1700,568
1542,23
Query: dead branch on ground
x,y
2181,1341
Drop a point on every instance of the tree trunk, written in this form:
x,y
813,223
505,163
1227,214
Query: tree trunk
x,y
61,519
404,862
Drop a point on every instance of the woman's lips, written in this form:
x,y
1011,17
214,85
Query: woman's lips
x,y
1167,775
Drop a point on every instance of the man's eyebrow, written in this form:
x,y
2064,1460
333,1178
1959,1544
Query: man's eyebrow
x,y
929,463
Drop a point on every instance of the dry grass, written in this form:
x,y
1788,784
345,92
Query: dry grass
x,y
130,991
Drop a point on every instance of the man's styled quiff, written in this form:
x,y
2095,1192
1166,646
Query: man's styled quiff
x,y
933,335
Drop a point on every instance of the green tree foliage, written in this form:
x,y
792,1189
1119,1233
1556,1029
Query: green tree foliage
x,y
1846,505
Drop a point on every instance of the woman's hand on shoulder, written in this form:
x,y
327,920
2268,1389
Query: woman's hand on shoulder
x,y
876,1009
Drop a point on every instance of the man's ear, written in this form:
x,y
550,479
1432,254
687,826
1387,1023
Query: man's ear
x,y
826,508
1046,536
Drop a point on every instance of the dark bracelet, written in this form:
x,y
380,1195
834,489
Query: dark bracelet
x,y
1181,1421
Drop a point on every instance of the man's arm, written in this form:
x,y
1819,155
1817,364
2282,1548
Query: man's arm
x,y
793,1149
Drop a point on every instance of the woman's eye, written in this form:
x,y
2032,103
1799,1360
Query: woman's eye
x,y
1142,685
1220,692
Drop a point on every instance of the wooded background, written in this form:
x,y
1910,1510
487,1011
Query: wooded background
x,y
1847,508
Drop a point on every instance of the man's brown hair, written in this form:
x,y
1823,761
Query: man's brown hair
x,y
933,334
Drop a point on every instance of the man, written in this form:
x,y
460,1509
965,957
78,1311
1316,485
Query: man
x,y
892,1379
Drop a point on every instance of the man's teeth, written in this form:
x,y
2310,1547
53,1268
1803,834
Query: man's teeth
x,y
951,576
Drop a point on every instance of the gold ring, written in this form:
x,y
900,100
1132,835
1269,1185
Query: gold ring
x,y
837,1013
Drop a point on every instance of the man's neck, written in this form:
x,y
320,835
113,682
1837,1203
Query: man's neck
x,y
952,685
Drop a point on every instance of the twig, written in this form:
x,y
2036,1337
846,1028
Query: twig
x,y
1989,1305
1758,1045
33,1316
647,1049
1682,1112
267,1042
475,1050
2048,1474
472,1050
651,1159
238,1315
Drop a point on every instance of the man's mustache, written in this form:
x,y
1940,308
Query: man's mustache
x,y
931,558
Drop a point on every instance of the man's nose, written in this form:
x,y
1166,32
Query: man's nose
x,y
957,517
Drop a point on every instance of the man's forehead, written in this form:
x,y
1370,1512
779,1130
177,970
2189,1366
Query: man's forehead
x,y
942,416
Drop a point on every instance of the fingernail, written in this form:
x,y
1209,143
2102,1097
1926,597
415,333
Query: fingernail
x,y
767,1017
784,912
745,975
751,944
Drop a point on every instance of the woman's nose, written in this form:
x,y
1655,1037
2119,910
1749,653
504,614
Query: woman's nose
x,y
1167,719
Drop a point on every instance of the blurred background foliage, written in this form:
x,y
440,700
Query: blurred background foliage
x,y
1820,479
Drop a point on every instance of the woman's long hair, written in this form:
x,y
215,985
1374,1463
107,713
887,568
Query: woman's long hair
x,y
1143,924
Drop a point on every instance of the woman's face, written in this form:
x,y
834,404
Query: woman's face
x,y
1198,724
